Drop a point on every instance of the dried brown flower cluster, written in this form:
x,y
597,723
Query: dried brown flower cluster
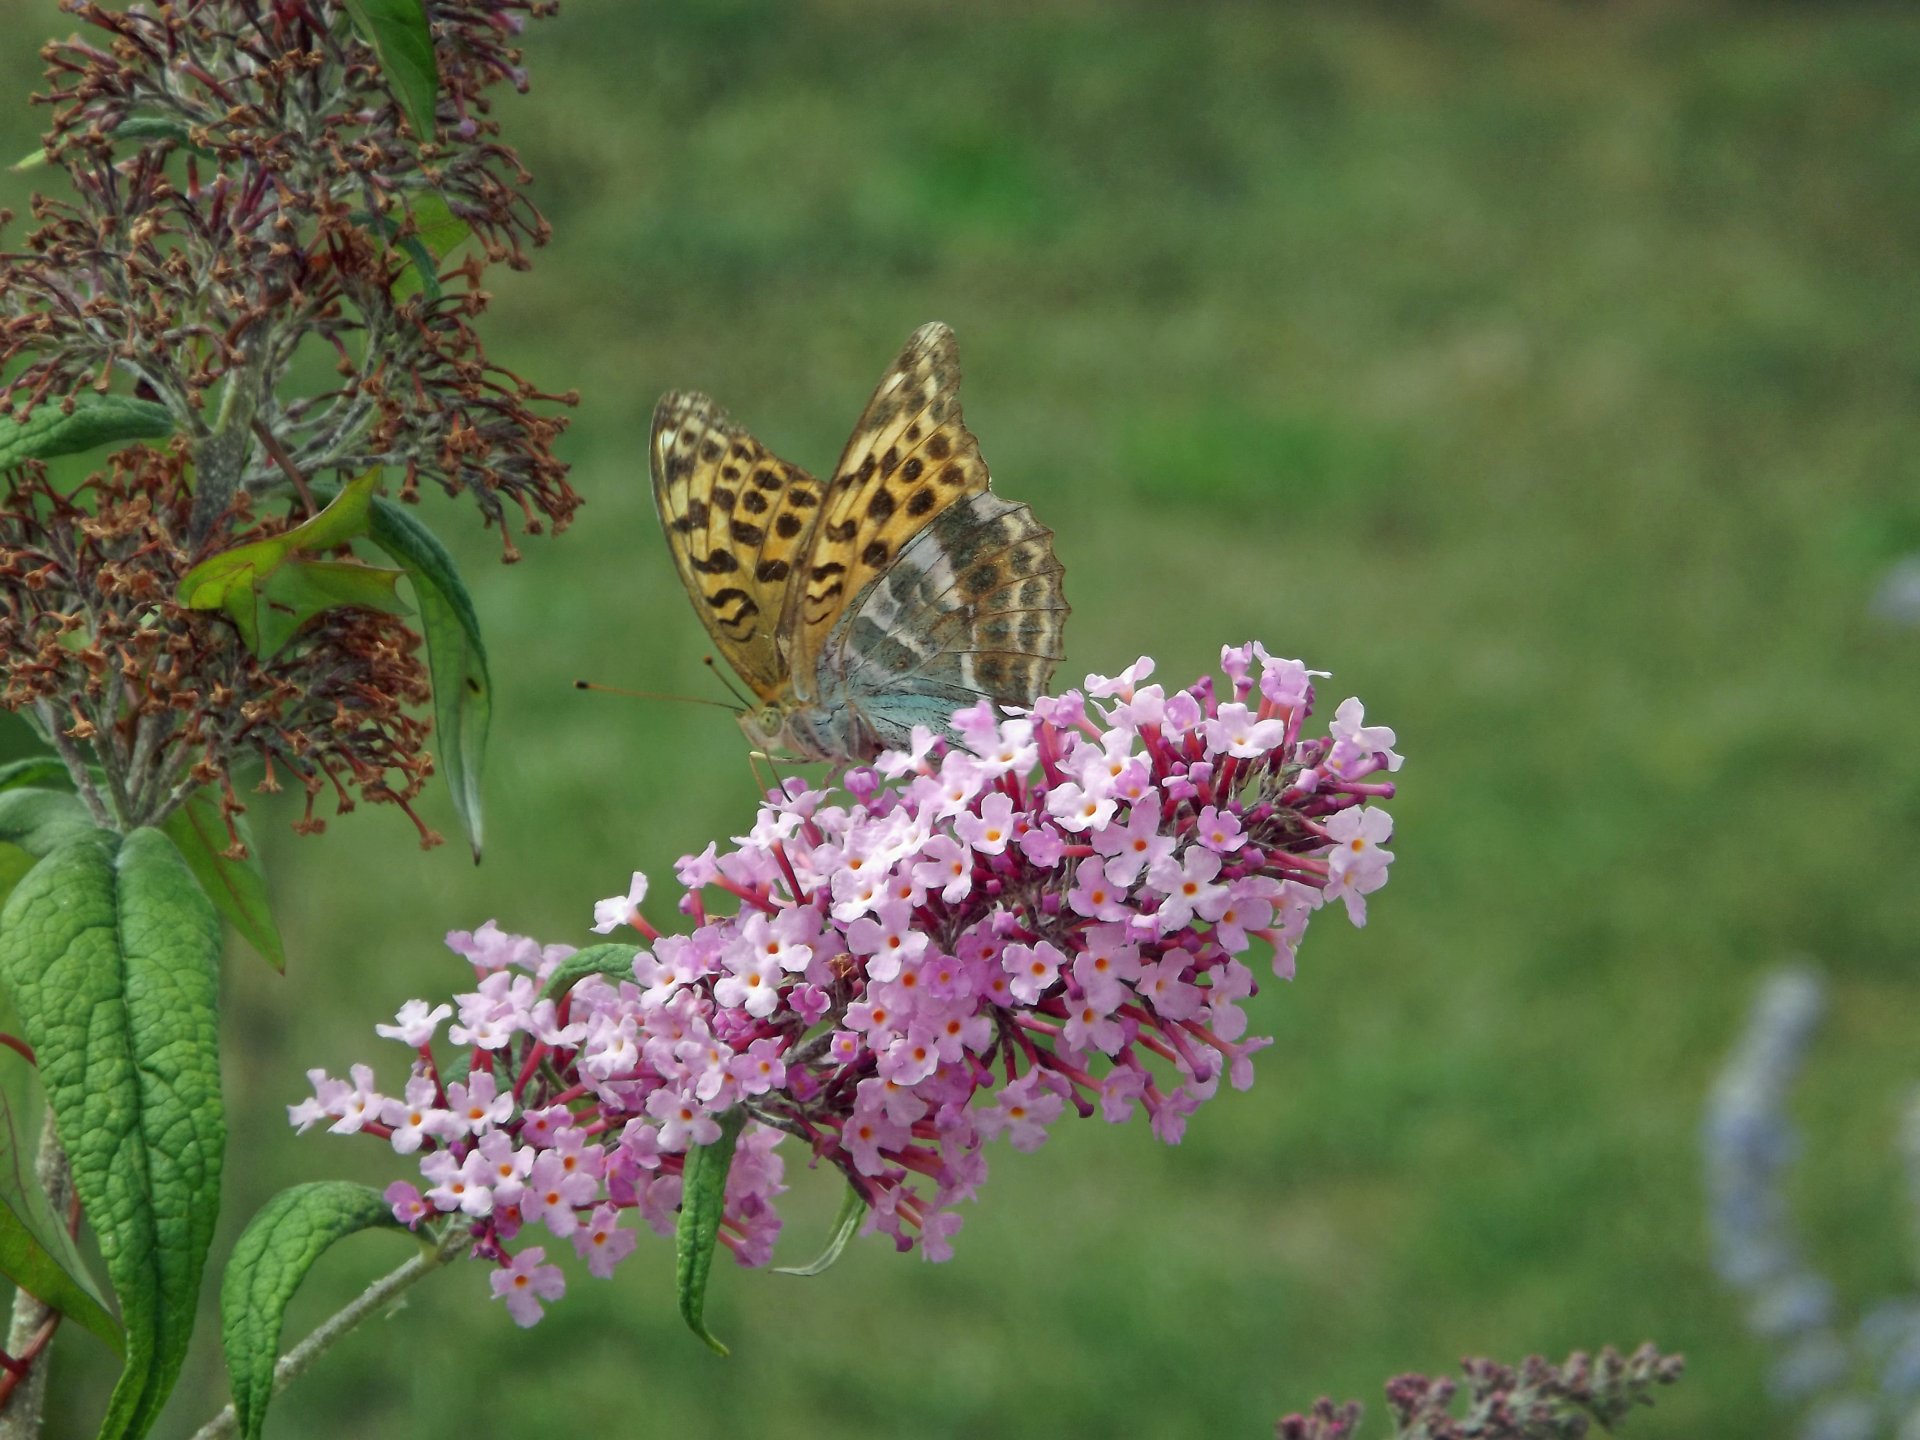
x,y
1537,1401
93,646
245,184
247,191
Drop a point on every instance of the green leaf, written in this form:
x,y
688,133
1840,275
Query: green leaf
x,y
298,590
36,1252
281,1243
853,1209
703,1194
611,958
238,888
207,585
269,592
437,232
462,690
345,517
455,1069
401,37
34,770
95,420
15,862
158,127
40,821
108,949
421,273
441,231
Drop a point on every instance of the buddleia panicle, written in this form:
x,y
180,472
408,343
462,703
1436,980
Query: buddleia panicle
x,y
967,942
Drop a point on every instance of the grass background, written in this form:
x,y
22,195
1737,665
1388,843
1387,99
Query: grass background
x,y
1546,372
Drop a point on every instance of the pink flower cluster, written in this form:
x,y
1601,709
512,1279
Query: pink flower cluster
x,y
972,938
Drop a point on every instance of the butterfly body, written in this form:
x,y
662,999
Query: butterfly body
x,y
890,596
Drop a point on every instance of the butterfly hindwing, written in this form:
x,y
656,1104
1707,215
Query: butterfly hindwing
x,y
971,608
738,520
911,456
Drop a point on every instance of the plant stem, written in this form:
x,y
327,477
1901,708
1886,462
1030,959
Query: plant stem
x,y
21,1419
76,765
220,457
285,462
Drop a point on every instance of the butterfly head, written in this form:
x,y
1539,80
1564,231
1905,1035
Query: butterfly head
x,y
809,730
767,727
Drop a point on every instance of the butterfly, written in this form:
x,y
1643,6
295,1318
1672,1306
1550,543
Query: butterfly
x,y
893,594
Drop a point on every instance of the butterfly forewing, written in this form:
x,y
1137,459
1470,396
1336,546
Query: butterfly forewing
x,y
972,607
911,456
738,521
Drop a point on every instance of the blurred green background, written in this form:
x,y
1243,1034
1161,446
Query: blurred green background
x,y
1546,372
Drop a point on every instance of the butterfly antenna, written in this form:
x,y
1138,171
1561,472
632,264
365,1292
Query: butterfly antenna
x,y
655,695
754,757
725,683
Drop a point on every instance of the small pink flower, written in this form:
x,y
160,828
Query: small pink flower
x,y
360,1104
1187,882
868,1135
1041,845
478,1105
1080,807
1357,835
491,948
1234,731
1287,684
760,1069
525,1283
1219,830
602,1243
988,832
1025,1111
948,867
458,1184
1090,1026
1122,684
889,937
1095,894
610,914
1161,987
1032,969
553,1195
415,1024
408,1208
1133,846
1356,744
683,1120
416,1118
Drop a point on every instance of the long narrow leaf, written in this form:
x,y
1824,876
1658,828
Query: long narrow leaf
x,y
36,1253
34,770
402,38
437,232
94,420
280,1245
462,690
238,888
40,821
612,958
109,950
853,1209
703,1195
